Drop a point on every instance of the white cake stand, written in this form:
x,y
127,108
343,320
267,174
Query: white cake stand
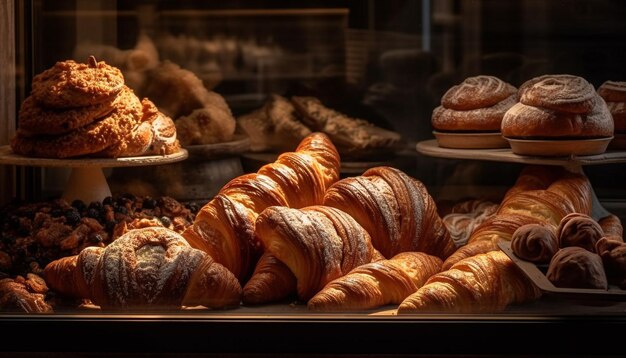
x,y
87,181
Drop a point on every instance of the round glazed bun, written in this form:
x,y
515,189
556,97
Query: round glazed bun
x,y
558,107
477,105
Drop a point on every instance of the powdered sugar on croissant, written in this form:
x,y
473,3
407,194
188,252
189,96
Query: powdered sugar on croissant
x,y
146,268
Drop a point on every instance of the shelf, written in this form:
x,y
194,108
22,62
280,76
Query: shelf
x,y
431,148
498,335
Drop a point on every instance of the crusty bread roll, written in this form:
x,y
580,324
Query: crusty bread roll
x,y
477,105
558,107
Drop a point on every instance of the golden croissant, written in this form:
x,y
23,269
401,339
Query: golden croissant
x,y
152,267
224,227
541,195
396,210
377,283
485,283
317,243
271,281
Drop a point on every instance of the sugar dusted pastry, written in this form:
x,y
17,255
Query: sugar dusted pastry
x,y
146,268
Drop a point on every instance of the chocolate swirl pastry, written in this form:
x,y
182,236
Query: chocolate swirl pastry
x,y
577,268
535,243
578,229
612,250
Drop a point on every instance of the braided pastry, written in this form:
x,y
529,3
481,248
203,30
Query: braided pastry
x,y
147,268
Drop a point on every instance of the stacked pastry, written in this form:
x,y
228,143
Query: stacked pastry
x,y
85,109
558,107
477,105
614,93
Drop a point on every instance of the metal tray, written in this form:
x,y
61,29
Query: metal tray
x,y
539,278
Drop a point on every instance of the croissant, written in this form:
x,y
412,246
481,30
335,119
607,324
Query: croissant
x,y
485,283
224,227
534,177
271,281
396,210
540,195
317,243
486,236
152,267
377,283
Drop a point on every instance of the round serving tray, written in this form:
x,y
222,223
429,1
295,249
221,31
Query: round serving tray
x,y
87,181
470,140
431,148
555,148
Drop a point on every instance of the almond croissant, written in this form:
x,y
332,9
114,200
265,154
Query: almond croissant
x,y
396,210
224,227
377,283
485,283
317,243
152,267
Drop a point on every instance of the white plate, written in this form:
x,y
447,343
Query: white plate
x,y
470,140
559,148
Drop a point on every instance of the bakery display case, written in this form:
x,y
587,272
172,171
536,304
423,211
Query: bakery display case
x,y
352,177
